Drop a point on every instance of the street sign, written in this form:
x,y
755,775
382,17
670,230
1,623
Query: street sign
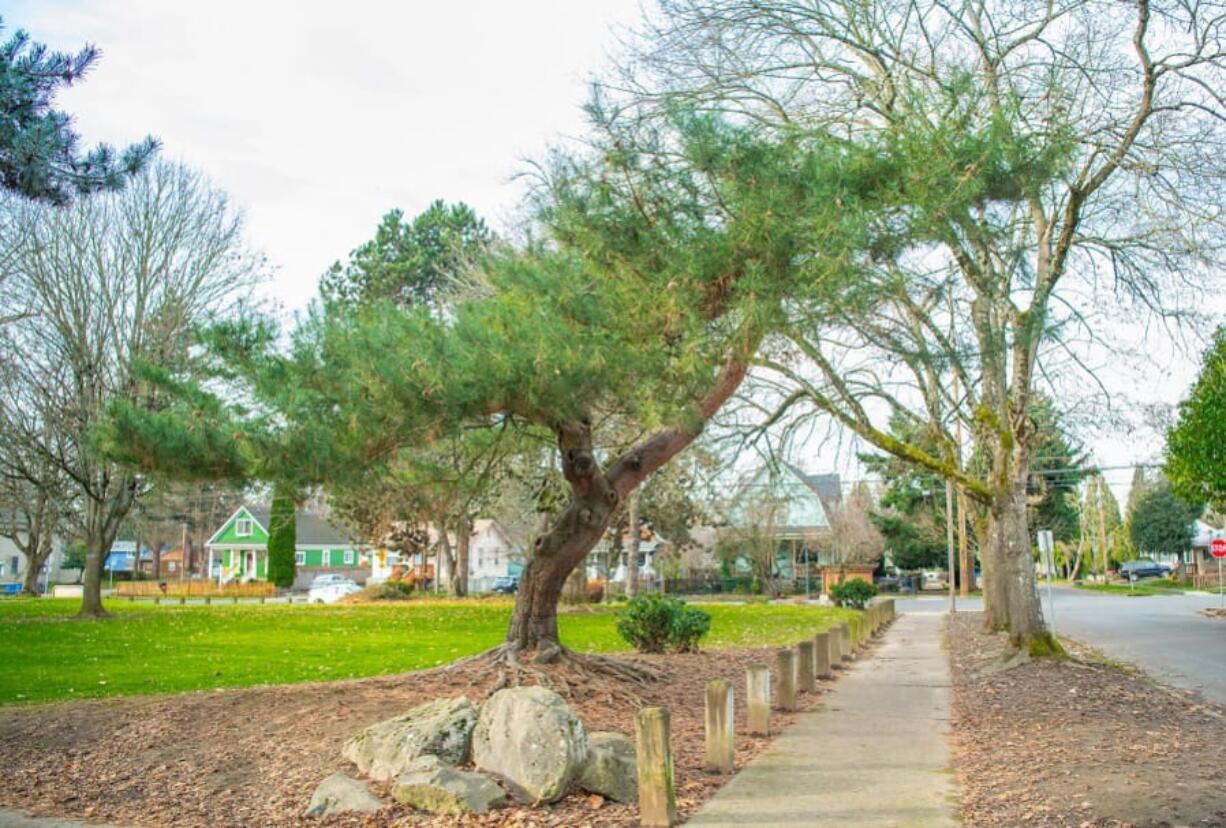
x,y
1047,552
1217,547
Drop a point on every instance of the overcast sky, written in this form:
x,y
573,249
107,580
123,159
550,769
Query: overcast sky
x,y
318,118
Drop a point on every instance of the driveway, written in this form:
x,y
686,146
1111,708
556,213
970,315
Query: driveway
x,y
1163,634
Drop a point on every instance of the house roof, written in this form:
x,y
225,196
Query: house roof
x,y
829,487
309,529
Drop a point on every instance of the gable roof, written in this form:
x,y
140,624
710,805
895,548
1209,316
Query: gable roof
x,y
829,487
804,513
309,529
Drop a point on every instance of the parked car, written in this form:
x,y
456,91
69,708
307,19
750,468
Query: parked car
x,y
1143,568
506,585
327,589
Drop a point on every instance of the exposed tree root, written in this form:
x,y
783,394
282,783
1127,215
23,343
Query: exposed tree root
x,y
565,672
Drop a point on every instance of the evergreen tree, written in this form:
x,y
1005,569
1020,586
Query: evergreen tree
x,y
1161,521
40,156
1196,446
282,537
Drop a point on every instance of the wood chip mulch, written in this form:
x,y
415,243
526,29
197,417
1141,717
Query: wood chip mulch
x,y
251,757
1078,742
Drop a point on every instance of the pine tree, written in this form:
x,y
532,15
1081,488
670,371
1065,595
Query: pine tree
x,y
39,154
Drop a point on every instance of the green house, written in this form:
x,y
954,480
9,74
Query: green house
x,y
238,551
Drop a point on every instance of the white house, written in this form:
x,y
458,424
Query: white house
x,y
13,562
491,555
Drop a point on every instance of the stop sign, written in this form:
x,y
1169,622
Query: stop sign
x,y
1218,547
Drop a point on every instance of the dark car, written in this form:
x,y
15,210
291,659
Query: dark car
x,y
505,586
1143,568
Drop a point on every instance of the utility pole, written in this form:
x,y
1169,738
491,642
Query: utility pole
x,y
949,533
185,560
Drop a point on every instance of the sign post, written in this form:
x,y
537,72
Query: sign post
x,y
1046,554
1217,548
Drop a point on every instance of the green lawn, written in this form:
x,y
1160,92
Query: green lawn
x,y
1150,586
47,654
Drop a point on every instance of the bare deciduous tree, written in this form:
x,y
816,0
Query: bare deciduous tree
x,y
108,284
1064,163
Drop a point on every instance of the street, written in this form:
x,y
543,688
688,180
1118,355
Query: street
x,y
1163,634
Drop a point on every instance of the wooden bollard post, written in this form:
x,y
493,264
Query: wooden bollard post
x,y
182,600
234,599
721,742
845,642
804,667
785,660
208,599
857,633
821,656
657,799
758,698
835,640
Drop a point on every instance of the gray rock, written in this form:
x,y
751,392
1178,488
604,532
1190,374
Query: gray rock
x,y
341,794
431,785
612,767
529,738
440,728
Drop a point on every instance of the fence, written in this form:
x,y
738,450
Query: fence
x,y
194,589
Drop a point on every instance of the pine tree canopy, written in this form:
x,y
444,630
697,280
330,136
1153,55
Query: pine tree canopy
x,y
40,157
1196,446
662,252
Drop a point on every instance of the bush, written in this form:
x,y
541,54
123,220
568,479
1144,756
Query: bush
x,y
855,593
387,591
655,623
595,592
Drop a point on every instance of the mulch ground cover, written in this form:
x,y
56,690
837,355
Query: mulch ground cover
x,y
1078,742
251,757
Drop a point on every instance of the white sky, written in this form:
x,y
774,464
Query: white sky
x,y
318,118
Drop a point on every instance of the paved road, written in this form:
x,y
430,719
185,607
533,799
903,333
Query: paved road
x,y
841,766
1163,634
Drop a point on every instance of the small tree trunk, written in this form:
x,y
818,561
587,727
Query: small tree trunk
x,y
464,534
98,546
157,561
632,557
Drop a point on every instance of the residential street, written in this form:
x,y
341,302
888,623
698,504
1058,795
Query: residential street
x,y
1164,635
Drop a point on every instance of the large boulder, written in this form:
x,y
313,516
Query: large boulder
x,y
431,785
612,767
341,794
441,728
528,737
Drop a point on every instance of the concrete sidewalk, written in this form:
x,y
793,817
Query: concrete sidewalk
x,y
876,753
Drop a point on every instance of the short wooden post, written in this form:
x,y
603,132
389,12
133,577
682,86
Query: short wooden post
x,y
208,599
657,799
821,656
262,597
835,639
785,660
845,642
721,742
182,600
758,698
157,600
804,667
857,633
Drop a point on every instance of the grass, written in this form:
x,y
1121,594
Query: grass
x,y
1150,586
46,654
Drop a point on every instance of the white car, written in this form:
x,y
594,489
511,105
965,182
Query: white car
x,y
327,589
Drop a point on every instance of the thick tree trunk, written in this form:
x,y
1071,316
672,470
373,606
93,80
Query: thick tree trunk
x,y
595,495
98,546
995,601
632,556
1026,628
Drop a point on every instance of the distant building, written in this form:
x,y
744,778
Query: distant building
x,y
238,551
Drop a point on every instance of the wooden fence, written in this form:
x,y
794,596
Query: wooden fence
x,y
194,589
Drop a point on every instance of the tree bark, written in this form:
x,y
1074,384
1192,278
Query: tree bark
x,y
459,578
632,556
36,555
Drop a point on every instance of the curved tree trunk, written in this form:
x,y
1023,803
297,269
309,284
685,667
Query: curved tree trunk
x,y
463,540
595,495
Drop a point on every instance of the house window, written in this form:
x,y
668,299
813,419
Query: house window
x,y
300,558
242,527
171,566
349,556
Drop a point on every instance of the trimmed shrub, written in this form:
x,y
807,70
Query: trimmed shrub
x,y
855,593
656,623
282,541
